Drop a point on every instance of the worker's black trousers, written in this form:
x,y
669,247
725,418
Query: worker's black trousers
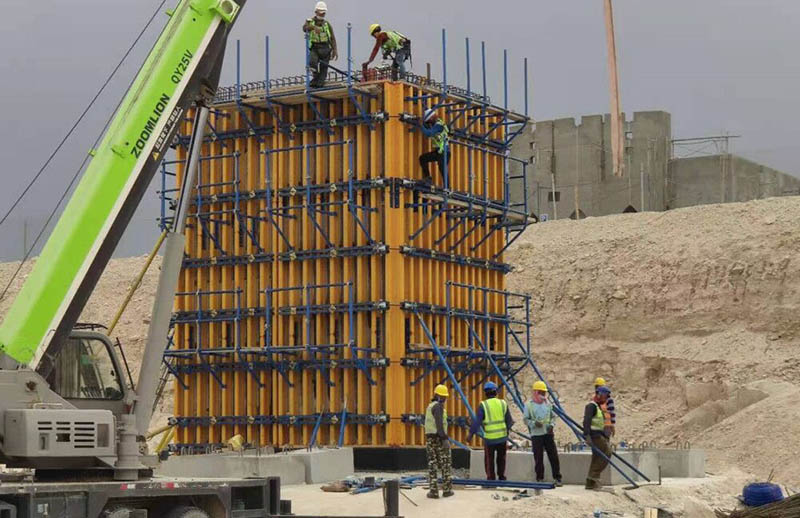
x,y
319,55
432,156
490,451
542,444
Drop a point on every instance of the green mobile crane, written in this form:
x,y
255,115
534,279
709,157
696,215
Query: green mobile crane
x,y
67,410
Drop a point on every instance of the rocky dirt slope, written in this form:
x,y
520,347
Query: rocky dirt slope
x,y
691,315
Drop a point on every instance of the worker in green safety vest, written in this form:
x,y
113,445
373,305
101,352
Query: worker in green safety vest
x,y
437,444
540,418
394,45
435,129
493,423
596,436
321,45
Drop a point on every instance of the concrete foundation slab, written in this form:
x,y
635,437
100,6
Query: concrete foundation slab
x,y
296,467
574,466
325,465
682,463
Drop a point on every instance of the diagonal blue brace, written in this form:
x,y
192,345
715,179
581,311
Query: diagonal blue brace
x,y
450,374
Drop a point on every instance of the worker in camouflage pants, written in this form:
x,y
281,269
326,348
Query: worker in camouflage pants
x,y
437,445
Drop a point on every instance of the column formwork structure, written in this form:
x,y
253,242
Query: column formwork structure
x,y
326,289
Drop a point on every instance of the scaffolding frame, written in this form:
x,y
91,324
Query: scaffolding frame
x,y
271,111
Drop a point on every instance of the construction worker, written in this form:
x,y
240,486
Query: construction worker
x,y
610,409
321,45
494,420
394,44
437,445
594,431
539,417
435,129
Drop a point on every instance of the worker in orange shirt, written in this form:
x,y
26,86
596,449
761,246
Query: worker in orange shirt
x,y
611,410
596,436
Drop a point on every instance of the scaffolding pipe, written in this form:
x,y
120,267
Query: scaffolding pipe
x,y
136,283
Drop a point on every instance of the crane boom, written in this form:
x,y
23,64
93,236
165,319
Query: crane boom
x,y
184,62
617,135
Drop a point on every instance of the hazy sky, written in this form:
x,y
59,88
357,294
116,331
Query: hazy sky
x,y
716,65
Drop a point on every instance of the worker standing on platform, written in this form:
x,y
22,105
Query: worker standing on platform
x,y
539,417
610,409
395,45
437,445
321,45
494,419
435,129
594,431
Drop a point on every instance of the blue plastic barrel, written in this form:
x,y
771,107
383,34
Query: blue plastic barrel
x,y
762,493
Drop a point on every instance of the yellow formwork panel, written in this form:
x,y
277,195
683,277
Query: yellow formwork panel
x,y
270,279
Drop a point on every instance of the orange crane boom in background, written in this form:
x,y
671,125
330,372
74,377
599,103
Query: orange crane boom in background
x,y
617,135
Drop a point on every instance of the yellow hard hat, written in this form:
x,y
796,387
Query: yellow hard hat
x,y
373,28
540,385
599,382
441,390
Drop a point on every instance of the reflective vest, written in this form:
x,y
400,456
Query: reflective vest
x,y
494,418
323,36
599,419
394,41
430,421
440,139
548,419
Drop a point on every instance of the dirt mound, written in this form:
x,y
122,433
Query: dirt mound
x,y
692,271
691,316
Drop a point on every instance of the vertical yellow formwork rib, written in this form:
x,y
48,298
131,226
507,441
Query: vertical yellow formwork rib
x,y
349,276
319,295
274,169
334,394
308,234
233,280
376,278
180,339
207,396
292,280
260,229
396,383
223,300
362,286
196,331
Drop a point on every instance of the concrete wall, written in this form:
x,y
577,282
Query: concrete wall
x,y
724,178
576,160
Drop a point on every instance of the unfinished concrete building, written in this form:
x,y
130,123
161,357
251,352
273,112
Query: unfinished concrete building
x,y
570,172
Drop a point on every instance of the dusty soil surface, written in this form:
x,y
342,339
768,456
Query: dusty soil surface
x,y
690,498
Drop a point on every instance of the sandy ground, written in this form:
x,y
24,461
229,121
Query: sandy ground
x,y
692,498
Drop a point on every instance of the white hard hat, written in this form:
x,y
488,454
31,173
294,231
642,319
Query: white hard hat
x,y
428,115
321,6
